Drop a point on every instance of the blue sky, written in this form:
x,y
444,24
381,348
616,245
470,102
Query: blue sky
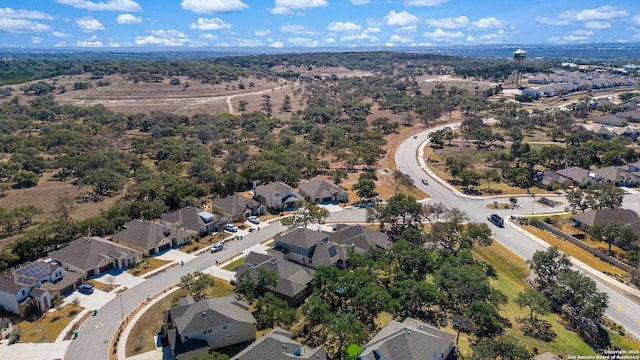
x,y
312,23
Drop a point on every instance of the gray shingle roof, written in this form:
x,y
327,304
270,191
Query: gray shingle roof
x,y
359,236
193,318
234,205
594,217
276,188
319,189
409,340
88,252
292,278
188,218
147,235
278,345
300,237
577,174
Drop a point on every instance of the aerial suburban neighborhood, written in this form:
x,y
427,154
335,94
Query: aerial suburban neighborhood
x,y
400,201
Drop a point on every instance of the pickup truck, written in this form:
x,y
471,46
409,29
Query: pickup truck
x,y
496,220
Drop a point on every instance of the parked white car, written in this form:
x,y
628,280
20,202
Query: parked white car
x,y
253,219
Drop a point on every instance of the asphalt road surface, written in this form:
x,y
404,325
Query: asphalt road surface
x,y
621,309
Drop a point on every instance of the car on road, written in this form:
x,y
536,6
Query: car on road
x,y
415,136
253,219
424,182
231,228
217,247
86,289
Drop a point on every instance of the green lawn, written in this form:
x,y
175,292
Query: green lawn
x,y
234,264
511,271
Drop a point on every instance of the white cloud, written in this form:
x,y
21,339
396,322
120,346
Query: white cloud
x,y
300,4
280,11
340,26
262,32
372,29
89,43
247,42
441,35
329,40
213,6
169,34
636,19
449,23
422,44
597,25
304,42
606,12
22,26
389,44
277,44
297,29
576,38
409,29
488,23
402,18
23,14
109,5
209,36
552,22
210,24
359,37
360,2
495,38
400,39
128,19
60,34
164,41
89,24
471,38
582,32
61,44
36,39
424,2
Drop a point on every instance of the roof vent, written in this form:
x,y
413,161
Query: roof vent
x,y
284,346
409,332
204,313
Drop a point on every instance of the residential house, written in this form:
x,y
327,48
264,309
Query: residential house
x,y
94,255
626,131
294,280
579,176
237,208
278,196
602,104
309,248
586,220
630,116
610,120
534,93
616,176
197,327
359,238
634,167
550,179
321,191
409,340
278,345
195,220
149,237
602,132
22,288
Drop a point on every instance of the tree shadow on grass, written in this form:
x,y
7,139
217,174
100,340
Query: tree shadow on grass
x,y
537,329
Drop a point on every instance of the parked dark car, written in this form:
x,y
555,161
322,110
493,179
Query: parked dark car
x,y
86,289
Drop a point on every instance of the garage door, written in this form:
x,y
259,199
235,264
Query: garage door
x,y
105,268
164,247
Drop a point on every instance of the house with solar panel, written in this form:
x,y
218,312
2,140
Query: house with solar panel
x,y
309,248
194,220
31,285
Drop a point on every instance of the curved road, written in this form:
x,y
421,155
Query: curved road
x,y
96,333
621,309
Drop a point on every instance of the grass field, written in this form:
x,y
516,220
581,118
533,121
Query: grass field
x,y
511,272
47,328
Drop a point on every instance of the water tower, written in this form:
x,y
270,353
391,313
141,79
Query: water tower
x,y
519,56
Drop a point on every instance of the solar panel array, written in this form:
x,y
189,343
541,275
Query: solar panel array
x,y
37,270
23,280
333,251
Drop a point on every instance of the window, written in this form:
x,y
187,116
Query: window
x,y
310,262
224,327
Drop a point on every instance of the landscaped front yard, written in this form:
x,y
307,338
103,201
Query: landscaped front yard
x,y
47,328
